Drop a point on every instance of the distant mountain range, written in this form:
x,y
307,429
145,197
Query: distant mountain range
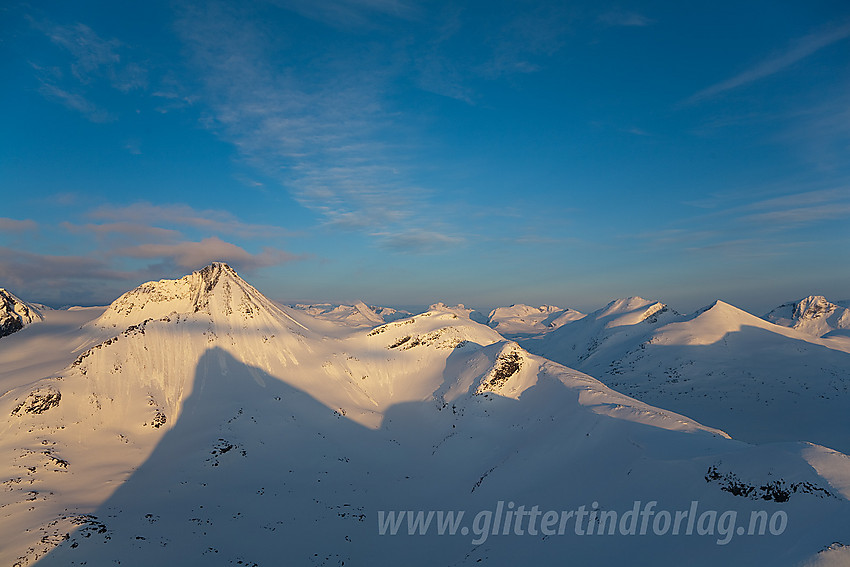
x,y
720,365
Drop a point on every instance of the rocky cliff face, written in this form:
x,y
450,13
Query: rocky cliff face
x,y
15,313
813,315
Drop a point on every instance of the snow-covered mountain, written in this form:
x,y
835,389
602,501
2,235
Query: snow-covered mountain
x,y
196,422
15,313
720,365
520,320
616,323
814,315
357,315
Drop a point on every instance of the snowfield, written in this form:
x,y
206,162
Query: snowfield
x,y
196,422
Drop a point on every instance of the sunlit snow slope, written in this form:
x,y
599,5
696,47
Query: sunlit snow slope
x,y
721,365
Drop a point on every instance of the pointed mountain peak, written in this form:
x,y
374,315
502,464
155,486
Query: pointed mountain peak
x,y
215,290
368,312
722,315
813,315
716,307
15,313
813,307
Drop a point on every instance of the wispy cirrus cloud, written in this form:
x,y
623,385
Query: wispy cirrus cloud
x,y
524,42
466,50
148,218
92,59
329,126
419,241
803,208
328,131
798,50
90,51
800,198
77,102
801,215
752,226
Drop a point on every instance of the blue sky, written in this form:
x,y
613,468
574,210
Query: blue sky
x,y
405,152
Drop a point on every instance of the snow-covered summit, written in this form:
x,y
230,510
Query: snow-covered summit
x,y
575,341
460,309
813,315
710,324
15,313
521,319
215,290
631,311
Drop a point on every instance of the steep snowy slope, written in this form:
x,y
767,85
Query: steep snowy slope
x,y
813,315
199,423
727,368
522,320
14,313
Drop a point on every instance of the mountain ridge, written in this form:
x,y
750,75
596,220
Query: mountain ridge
x,y
15,313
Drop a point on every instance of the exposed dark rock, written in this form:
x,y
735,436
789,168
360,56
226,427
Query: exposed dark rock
x,y
777,490
38,401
